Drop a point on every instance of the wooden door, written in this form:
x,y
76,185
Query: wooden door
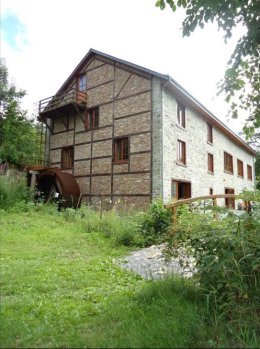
x,y
230,203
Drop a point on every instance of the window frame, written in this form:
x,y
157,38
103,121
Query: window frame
x,y
209,133
119,142
65,164
181,153
227,168
249,172
210,163
240,168
181,115
82,88
94,119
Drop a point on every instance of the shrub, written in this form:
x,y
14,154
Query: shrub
x,y
14,192
155,223
227,254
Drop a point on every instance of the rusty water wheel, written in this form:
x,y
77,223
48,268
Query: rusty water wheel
x,y
59,187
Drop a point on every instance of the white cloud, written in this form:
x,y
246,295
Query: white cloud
x,y
59,33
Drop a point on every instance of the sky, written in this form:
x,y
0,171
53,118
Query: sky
x,y
42,41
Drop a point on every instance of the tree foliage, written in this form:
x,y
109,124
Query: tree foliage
x,y
257,170
241,82
18,136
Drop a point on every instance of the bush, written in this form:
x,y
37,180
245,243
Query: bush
x,y
13,192
227,254
155,223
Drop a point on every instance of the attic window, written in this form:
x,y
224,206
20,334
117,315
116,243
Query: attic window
x,y
209,133
82,82
181,115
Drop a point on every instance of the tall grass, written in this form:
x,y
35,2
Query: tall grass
x,y
13,191
120,227
129,229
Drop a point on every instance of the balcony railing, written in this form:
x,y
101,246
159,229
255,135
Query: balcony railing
x,y
61,100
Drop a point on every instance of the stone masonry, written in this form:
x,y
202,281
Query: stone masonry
x,y
141,105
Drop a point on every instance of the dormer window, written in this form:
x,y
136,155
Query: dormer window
x,y
82,82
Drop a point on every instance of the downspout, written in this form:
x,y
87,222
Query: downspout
x,y
162,111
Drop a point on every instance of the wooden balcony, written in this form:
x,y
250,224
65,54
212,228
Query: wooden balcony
x,y
62,103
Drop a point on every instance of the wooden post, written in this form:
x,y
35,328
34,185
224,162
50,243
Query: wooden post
x,y
174,215
215,215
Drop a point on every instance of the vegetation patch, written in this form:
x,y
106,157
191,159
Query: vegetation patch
x,y
227,255
61,286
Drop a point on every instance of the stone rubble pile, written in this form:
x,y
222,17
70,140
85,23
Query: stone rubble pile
x,y
150,263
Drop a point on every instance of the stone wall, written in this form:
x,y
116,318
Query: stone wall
x,y
197,149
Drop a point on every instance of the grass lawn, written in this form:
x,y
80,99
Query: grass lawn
x,y
61,288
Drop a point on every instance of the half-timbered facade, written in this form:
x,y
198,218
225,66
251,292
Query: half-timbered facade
x,y
129,133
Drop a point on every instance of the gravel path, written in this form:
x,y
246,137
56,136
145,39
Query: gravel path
x,y
150,263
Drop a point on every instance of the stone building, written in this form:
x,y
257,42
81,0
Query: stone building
x,y
126,132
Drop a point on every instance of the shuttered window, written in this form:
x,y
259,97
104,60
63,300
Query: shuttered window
x,y
210,163
240,168
249,173
228,162
66,158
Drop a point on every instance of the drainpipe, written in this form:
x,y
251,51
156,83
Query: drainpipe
x,y
166,83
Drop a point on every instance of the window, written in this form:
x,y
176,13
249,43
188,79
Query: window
x,y
82,82
66,158
210,134
249,173
181,152
240,169
210,191
121,152
181,115
92,118
228,162
210,163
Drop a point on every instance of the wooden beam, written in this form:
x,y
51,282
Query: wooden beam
x,y
206,197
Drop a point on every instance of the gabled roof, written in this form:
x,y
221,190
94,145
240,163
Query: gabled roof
x,y
172,85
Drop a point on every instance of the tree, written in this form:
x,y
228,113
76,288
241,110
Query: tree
x,y
18,135
241,82
257,170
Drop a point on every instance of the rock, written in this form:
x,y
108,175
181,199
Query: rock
x,y
150,263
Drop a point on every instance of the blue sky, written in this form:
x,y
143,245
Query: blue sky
x,y
12,28
44,40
